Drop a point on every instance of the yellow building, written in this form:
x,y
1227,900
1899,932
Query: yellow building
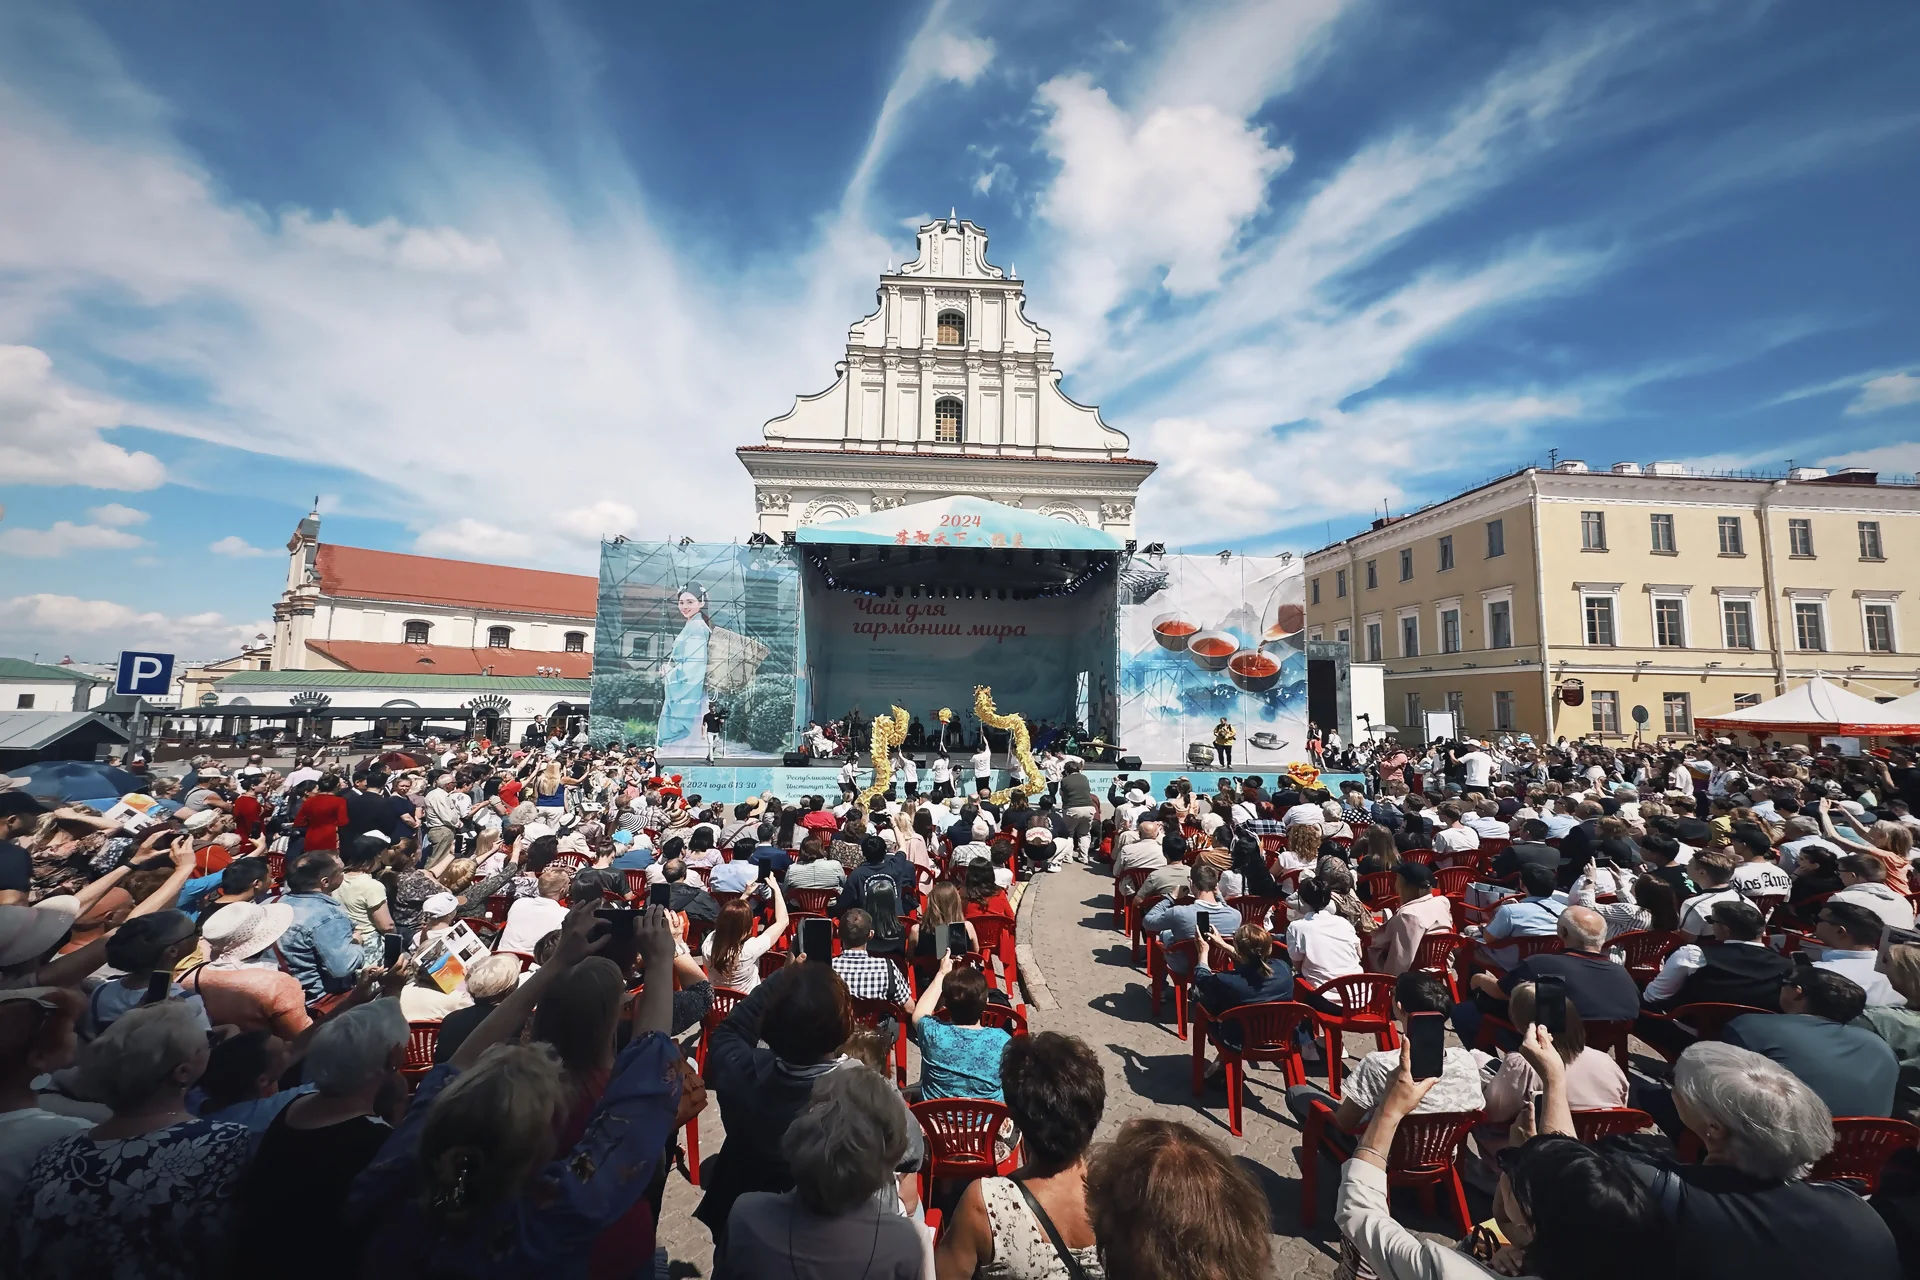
x,y
1641,587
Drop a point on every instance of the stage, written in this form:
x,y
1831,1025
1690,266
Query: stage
x,y
913,606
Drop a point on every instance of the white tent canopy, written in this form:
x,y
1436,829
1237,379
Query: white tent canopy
x,y
1820,707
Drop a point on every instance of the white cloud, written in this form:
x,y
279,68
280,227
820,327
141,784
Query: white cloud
x,y
64,536
389,242
960,58
470,539
118,516
601,520
1886,392
1903,458
235,545
50,433
95,629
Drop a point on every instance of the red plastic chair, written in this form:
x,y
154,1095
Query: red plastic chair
x,y
1136,916
1378,891
996,939
1126,883
1706,1021
637,882
872,1013
1368,1000
422,1039
962,1140
724,998
1269,913
1425,1155
276,868
1644,950
571,861
772,962
1464,915
1604,1122
1012,1020
1438,954
1452,882
811,902
1161,971
1862,1145
1266,1035
1524,948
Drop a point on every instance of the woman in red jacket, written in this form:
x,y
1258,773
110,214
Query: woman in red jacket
x,y
322,815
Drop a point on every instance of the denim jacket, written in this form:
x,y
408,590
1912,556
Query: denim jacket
x,y
318,946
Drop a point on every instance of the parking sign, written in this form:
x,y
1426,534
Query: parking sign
x,y
144,675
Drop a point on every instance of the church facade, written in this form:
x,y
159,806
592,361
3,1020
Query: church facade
x,y
946,388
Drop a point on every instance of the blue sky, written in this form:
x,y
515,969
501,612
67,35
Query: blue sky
x,y
497,280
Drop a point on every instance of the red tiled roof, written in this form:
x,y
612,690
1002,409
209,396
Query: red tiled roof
x,y
447,660
361,574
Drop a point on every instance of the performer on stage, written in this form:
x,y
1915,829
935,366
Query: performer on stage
x,y
941,771
686,675
983,764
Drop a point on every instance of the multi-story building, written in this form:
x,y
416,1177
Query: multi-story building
x,y
1559,602
946,388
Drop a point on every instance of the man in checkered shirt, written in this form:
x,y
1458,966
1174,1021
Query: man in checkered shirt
x,y
868,977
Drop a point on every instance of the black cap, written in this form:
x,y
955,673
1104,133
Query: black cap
x,y
1693,831
1418,874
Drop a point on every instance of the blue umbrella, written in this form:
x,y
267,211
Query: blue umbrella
x,y
68,781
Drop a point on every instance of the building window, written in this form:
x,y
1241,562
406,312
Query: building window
x,y
576,642
1741,701
1373,574
1500,625
1374,650
1736,623
24,702
1606,711
1344,636
1340,584
1413,718
1731,543
1457,705
1870,540
642,647
1503,709
1496,539
1809,627
1670,624
1800,538
953,329
1663,535
1676,710
417,632
1410,636
1449,631
1599,613
1593,531
1446,553
1406,564
946,421
1313,591
1878,620
499,637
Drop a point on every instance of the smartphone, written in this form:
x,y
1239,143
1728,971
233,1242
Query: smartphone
x,y
1550,1004
660,895
1538,1100
816,939
395,946
1427,1041
1202,921
766,872
957,944
159,986
622,921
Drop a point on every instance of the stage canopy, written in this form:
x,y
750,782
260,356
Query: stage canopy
x,y
969,523
1818,707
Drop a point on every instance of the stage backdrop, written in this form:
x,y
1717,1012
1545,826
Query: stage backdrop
x,y
680,629
1050,660
1201,638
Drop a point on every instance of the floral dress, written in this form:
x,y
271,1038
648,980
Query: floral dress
x,y
129,1208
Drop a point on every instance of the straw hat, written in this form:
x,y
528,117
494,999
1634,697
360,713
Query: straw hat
x,y
243,929
29,932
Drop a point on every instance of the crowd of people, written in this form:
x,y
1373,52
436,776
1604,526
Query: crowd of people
x,y
462,1015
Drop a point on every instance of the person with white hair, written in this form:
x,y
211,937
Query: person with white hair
x,y
1746,1211
318,1144
146,1195
440,817
841,1216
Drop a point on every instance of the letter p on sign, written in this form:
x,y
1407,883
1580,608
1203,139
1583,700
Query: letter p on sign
x,y
144,675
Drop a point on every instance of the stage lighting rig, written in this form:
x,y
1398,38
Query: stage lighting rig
x,y
1156,548
759,540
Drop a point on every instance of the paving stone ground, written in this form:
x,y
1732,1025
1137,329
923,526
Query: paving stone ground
x,y
1099,995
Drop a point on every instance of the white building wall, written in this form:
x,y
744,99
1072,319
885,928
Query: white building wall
x,y
47,695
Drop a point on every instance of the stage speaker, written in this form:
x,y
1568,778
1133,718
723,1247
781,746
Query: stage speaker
x,y
794,760
1128,763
